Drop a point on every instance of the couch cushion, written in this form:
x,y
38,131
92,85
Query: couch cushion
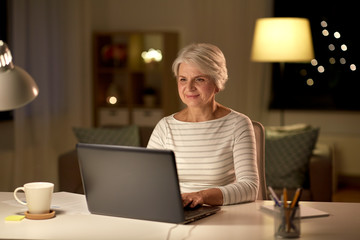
x,y
128,136
287,155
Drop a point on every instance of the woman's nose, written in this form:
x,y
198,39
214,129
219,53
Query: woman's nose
x,y
191,85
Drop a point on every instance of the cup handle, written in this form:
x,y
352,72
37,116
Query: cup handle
x,y
16,198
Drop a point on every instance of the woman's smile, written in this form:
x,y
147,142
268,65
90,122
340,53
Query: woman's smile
x,y
195,88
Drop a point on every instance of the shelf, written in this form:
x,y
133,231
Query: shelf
x,y
121,76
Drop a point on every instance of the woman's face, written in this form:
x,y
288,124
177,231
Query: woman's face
x,y
195,88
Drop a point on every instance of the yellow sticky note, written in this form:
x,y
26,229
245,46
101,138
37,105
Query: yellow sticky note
x,y
14,218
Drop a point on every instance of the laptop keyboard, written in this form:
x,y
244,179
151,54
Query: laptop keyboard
x,y
198,212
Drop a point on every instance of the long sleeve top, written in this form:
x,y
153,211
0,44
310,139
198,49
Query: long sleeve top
x,y
219,153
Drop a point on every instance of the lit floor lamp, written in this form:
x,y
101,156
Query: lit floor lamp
x,y
17,87
282,40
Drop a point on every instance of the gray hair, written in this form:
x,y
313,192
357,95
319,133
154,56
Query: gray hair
x,y
208,58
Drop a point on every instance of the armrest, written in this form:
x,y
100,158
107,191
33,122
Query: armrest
x,y
320,173
145,134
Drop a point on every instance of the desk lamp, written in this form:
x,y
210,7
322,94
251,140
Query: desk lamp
x,y
282,40
17,87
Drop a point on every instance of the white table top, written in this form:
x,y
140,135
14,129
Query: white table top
x,y
242,221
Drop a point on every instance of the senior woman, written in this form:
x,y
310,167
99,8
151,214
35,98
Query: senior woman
x,y
214,145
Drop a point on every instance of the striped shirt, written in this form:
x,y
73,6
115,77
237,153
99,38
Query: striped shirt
x,y
219,153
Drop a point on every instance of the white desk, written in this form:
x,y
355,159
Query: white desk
x,y
242,221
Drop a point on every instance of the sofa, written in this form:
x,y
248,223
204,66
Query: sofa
x,y
68,167
319,185
320,176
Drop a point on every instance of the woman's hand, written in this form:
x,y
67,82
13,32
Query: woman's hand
x,y
212,196
192,200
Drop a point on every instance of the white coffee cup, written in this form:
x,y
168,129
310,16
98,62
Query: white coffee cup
x,y
38,196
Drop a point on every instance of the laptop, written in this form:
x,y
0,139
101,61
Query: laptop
x,y
134,182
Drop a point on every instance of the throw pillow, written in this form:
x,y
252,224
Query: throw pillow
x,y
127,136
287,156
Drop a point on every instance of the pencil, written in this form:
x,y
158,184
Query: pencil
x,y
285,198
286,210
296,198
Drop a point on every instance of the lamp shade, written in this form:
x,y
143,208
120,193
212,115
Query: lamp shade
x,y
17,87
282,40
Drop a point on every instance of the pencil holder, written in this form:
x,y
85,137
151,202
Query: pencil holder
x,y
287,222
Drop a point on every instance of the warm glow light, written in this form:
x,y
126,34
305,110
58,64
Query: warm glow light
x,y
310,82
331,47
282,40
321,69
343,47
35,91
111,100
332,60
352,67
314,62
325,32
151,55
342,60
5,57
337,35
323,23
2,61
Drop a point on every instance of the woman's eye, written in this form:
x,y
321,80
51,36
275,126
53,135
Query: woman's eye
x,y
200,79
182,79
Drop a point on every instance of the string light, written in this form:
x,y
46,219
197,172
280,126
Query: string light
x,y
352,67
310,82
314,62
321,69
